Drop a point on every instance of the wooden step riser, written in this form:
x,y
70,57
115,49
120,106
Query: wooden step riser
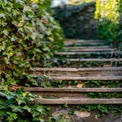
x,y
87,49
95,60
109,78
81,40
79,101
90,53
38,69
80,74
104,78
81,65
59,95
71,90
85,43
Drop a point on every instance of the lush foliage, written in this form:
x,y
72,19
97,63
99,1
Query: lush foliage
x,y
19,107
108,15
28,36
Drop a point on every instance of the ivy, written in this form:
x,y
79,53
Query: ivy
x,y
101,109
29,36
19,107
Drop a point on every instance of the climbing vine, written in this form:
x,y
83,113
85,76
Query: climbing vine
x,y
29,36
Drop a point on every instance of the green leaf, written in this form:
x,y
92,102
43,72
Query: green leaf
x,y
17,108
27,108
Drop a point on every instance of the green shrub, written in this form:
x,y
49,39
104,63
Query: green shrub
x,y
108,14
29,36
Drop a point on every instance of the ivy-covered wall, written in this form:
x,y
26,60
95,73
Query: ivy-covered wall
x,y
77,21
29,36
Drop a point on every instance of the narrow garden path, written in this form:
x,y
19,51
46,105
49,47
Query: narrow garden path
x,y
85,60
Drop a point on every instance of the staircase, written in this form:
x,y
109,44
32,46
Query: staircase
x,y
85,60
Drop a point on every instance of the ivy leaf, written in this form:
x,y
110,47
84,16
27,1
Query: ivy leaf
x,y
16,108
12,116
2,15
21,100
27,9
27,108
2,94
6,32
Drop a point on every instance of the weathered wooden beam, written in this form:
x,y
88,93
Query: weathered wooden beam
x,y
82,40
91,47
95,60
71,90
38,69
71,41
109,78
78,49
75,101
84,44
93,52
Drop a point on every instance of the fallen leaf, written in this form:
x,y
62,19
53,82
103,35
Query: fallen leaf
x,y
79,85
69,87
82,114
55,115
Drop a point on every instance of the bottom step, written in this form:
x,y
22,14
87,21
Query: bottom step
x,y
74,101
